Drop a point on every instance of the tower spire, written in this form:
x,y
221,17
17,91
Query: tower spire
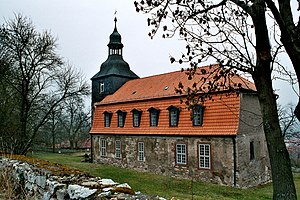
x,y
115,22
115,45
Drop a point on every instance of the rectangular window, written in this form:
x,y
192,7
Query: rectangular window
x,y
118,148
136,119
102,147
101,87
173,117
181,154
204,156
154,113
121,118
141,151
153,118
107,118
197,115
252,150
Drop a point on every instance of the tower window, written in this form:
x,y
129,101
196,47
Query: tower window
x,y
101,87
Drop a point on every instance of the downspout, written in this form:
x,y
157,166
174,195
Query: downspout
x,y
234,160
92,159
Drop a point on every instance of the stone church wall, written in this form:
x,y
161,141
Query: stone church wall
x,y
251,169
160,156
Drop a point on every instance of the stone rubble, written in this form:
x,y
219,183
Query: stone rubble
x,y
42,184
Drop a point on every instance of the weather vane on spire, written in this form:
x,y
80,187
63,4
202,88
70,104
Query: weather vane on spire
x,y
115,17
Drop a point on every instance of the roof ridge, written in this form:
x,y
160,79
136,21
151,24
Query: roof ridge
x,y
181,70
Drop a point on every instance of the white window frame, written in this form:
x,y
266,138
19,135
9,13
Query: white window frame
x,y
101,87
204,156
141,151
102,147
118,148
181,154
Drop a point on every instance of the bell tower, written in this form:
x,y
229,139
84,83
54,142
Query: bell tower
x,y
114,72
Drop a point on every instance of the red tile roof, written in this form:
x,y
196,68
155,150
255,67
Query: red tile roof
x,y
163,85
221,117
221,113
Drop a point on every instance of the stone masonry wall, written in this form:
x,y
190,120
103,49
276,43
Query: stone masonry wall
x,y
42,184
251,170
160,156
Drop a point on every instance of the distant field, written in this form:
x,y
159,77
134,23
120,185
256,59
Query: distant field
x,y
167,187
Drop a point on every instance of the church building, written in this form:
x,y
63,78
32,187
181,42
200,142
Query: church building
x,y
142,124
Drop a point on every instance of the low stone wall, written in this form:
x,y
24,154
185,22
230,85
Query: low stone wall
x,y
43,184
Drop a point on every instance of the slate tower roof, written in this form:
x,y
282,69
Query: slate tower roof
x,y
115,64
114,72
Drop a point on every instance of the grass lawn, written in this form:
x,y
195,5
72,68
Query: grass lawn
x,y
167,187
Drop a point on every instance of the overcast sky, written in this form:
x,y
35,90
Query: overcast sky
x,y
83,28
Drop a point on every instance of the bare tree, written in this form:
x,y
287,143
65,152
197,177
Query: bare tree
x,y
51,133
288,122
235,34
39,78
75,121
